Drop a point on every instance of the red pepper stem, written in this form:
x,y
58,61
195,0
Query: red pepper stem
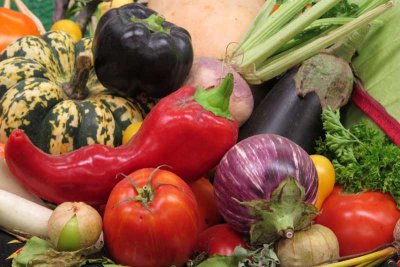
x,y
216,100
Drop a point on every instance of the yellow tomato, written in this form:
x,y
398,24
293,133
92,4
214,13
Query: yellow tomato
x,y
326,178
68,26
130,131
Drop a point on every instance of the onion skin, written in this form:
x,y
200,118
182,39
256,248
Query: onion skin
x,y
308,248
253,169
396,231
89,225
208,72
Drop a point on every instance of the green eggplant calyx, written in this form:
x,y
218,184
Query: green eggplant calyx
x,y
216,100
285,213
69,239
153,23
76,88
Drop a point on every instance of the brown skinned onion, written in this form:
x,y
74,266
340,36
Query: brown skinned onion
x,y
308,247
74,225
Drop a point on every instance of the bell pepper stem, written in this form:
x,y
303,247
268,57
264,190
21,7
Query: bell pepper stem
x,y
153,23
76,88
216,100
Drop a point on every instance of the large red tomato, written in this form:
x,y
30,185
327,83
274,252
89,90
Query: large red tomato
x,y
204,193
220,239
151,219
361,221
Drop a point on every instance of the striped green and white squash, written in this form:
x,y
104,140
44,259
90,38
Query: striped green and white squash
x,y
49,89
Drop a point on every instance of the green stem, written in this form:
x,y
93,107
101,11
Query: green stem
x,y
323,26
261,18
216,100
367,5
259,53
153,23
348,47
272,23
290,60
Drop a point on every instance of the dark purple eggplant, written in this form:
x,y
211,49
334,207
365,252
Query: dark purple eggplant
x,y
294,105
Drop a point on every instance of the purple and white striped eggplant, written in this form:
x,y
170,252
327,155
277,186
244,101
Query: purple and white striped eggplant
x,y
265,186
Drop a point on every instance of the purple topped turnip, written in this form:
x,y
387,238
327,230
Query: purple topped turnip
x,y
265,186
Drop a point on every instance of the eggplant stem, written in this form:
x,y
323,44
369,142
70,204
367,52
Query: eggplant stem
x,y
288,233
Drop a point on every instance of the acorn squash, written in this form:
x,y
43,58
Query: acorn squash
x,y
49,89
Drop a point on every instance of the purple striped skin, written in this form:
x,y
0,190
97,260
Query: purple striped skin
x,y
253,168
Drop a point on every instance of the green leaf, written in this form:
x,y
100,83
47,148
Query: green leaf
x,y
263,256
364,158
40,253
378,65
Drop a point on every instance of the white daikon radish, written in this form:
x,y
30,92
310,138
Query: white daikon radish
x,y
21,216
10,184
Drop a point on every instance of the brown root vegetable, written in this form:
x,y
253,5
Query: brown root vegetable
x,y
308,247
213,25
396,231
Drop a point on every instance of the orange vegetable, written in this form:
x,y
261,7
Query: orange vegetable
x,y
276,7
326,178
14,25
204,193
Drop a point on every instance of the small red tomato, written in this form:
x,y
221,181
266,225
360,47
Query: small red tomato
x,y
151,220
361,222
204,192
219,239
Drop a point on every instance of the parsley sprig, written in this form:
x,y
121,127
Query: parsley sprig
x,y
364,158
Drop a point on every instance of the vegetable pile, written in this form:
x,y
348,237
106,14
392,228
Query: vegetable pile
x,y
130,135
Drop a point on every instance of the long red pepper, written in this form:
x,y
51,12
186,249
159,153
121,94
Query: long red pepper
x,y
181,131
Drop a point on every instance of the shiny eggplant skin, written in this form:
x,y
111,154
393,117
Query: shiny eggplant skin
x,y
135,50
284,112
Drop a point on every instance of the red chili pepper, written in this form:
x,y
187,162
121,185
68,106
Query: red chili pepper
x,y
189,130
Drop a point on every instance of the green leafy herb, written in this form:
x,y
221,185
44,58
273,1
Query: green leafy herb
x,y
363,157
41,253
260,257
343,9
